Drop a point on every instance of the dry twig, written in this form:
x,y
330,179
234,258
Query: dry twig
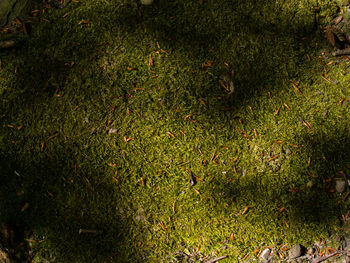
x,y
318,260
342,52
216,259
7,44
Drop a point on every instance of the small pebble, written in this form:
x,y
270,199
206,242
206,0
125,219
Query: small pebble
x,y
92,131
340,186
265,254
296,251
112,130
310,251
146,2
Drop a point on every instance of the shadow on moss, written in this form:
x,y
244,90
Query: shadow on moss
x,y
263,51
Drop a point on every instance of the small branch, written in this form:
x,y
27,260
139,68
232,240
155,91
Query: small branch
x,y
7,44
216,259
330,255
342,52
90,231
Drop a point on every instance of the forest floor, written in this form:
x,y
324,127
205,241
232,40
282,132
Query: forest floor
x,y
181,131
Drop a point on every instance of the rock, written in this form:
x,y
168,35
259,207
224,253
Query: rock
x,y
139,215
310,251
296,251
112,130
265,255
146,2
10,9
340,186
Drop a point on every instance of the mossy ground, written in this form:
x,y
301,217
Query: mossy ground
x,y
94,135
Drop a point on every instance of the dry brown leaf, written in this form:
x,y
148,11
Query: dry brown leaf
x,y
150,61
245,210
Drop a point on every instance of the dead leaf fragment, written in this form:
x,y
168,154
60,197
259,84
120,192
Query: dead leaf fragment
x,y
84,22
42,146
341,101
150,61
287,224
297,89
128,139
245,210
273,158
207,65
278,110
162,225
338,19
197,191
25,207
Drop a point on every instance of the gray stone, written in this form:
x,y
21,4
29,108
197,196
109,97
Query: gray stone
x,y
139,215
340,186
265,255
112,130
5,9
146,2
10,9
296,251
310,251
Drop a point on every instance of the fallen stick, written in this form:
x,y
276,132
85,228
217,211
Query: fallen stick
x,y
7,44
90,231
330,255
216,259
342,52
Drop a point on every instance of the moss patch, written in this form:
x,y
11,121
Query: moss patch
x,y
107,108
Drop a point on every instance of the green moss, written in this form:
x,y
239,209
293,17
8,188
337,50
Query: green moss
x,y
107,142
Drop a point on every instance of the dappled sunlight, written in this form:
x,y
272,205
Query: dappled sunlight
x,y
182,130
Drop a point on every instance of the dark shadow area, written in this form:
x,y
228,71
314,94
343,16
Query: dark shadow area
x,y
55,198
